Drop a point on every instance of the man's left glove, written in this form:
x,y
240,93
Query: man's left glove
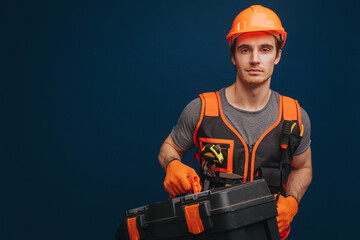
x,y
287,208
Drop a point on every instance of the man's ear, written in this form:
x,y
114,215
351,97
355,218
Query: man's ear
x,y
233,59
278,57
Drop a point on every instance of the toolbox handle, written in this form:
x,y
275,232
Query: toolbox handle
x,y
135,227
198,217
132,229
193,219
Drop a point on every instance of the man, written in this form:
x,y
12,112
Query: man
x,y
247,119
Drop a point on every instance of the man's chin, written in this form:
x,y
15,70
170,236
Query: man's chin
x,y
253,83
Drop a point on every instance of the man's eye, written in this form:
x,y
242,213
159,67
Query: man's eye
x,y
244,50
265,50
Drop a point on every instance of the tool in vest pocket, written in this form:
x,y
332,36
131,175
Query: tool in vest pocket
x,y
301,129
212,154
286,130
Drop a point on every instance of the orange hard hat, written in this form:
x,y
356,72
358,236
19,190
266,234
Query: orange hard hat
x,y
254,19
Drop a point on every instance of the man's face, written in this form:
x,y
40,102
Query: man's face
x,y
255,58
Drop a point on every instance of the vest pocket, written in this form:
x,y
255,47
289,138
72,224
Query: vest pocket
x,y
272,177
227,150
294,142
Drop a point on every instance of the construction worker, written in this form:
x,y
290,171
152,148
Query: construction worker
x,y
247,119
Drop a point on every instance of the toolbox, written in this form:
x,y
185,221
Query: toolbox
x,y
245,211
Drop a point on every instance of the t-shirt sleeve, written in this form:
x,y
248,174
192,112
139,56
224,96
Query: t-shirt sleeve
x,y
182,133
305,141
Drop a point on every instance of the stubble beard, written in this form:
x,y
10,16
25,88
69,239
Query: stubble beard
x,y
253,81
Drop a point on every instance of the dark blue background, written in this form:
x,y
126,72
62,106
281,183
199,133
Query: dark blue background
x,y
90,89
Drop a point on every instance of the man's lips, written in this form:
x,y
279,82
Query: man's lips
x,y
254,70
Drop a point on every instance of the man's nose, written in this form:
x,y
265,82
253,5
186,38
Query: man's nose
x,y
255,57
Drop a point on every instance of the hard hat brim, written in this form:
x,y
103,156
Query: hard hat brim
x,y
276,33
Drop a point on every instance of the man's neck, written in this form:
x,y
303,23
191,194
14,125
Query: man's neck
x,y
248,98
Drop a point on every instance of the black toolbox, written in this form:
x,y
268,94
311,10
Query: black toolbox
x,y
242,211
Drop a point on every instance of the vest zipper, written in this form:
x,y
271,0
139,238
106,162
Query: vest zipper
x,y
250,147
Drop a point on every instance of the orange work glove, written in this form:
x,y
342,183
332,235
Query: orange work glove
x,y
287,208
177,179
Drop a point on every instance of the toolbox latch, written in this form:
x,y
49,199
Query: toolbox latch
x,y
132,229
193,219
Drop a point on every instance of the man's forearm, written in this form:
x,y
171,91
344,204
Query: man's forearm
x,y
298,182
300,175
168,152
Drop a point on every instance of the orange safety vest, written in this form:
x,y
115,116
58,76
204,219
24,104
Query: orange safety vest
x,y
262,160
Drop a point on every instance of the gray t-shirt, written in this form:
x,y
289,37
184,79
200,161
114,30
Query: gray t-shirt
x,y
250,125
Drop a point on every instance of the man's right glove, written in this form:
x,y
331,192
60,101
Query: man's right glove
x,y
287,208
180,179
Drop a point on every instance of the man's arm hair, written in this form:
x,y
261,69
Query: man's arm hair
x,y
300,175
169,151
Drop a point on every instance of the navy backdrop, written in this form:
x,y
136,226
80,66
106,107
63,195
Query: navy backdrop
x,y
90,89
